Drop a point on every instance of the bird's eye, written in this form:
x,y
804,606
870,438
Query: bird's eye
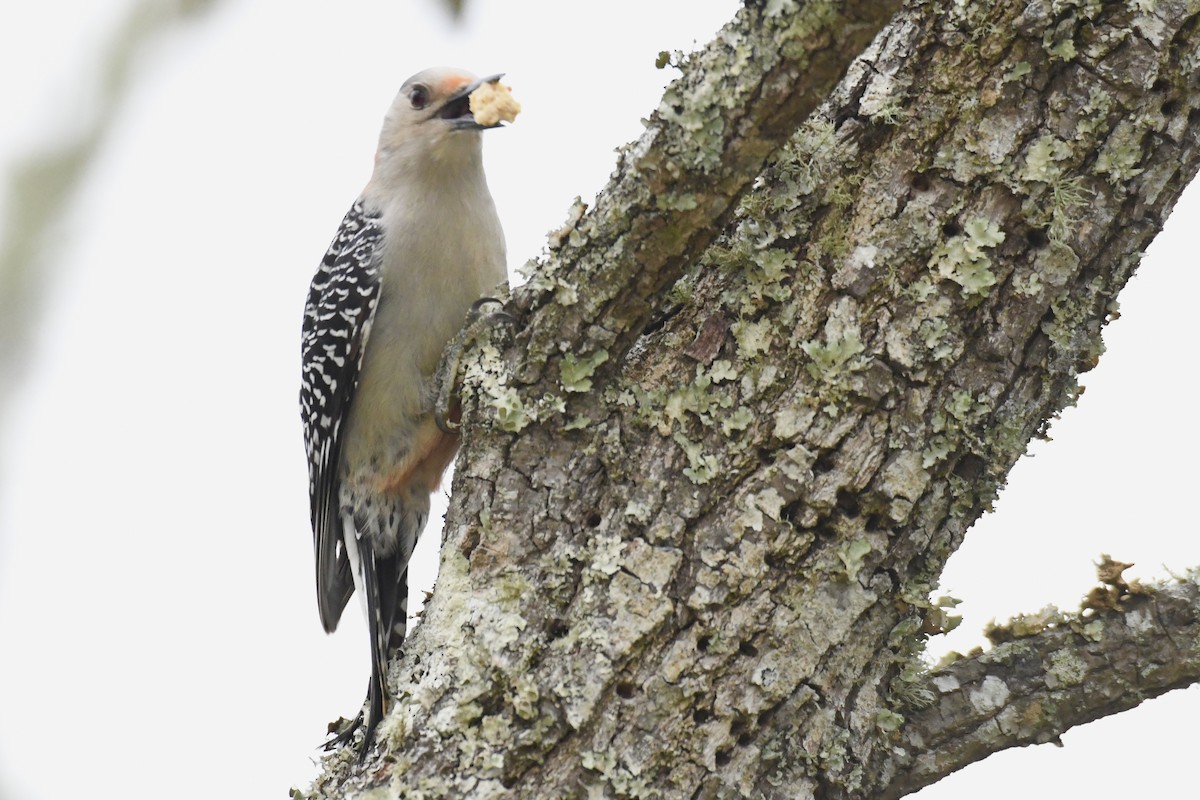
x,y
419,97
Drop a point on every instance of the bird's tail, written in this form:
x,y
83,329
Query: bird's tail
x,y
384,579
381,587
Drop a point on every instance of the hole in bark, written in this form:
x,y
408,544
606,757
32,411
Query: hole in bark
x,y
951,228
558,629
765,456
654,326
825,462
625,690
875,522
1170,107
792,510
847,501
745,739
747,649
1160,85
1194,116
594,520
701,716
772,560
765,716
920,182
1037,238
737,727
723,758
702,643
969,467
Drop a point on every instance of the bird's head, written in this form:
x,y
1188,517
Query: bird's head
x,y
430,121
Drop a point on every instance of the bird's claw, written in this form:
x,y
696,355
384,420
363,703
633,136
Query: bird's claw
x,y
341,731
475,311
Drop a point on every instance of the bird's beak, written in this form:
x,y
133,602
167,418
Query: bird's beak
x,y
457,107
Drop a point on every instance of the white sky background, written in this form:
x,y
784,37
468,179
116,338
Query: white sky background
x,y
158,626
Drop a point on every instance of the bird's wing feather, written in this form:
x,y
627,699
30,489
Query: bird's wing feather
x,y
337,321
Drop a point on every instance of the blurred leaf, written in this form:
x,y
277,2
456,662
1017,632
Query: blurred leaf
x,y
43,184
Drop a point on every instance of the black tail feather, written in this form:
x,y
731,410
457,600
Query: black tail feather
x,y
387,604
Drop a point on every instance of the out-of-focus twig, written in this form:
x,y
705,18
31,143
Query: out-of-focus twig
x,y
41,186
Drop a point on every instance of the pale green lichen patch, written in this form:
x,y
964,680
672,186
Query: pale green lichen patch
x,y
964,259
510,411
753,337
1018,71
702,467
1065,669
888,721
1094,113
831,363
926,334
1122,152
1093,630
1056,264
840,352
1043,159
738,420
722,371
758,378
1028,284
698,399
485,376
1072,330
1059,41
697,104
852,555
616,778
954,424
676,202
577,423
638,510
606,555
575,374
1059,208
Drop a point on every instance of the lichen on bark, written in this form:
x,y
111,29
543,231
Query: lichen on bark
x,y
700,564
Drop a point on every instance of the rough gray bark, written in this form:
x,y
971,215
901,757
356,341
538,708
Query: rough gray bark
x,y
746,413
1051,672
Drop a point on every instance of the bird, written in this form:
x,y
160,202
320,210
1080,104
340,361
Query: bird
x,y
419,246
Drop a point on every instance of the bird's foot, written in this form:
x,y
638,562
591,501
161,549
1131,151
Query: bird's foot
x,y
341,731
446,381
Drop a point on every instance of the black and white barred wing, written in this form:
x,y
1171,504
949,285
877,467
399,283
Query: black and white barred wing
x,y
337,321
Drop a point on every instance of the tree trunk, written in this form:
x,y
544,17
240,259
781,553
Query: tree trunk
x,y
751,403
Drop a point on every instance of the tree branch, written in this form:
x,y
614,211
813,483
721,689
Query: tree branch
x,y
44,183
1034,688
699,565
737,101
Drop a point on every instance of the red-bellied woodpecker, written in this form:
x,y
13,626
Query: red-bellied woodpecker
x,y
418,247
